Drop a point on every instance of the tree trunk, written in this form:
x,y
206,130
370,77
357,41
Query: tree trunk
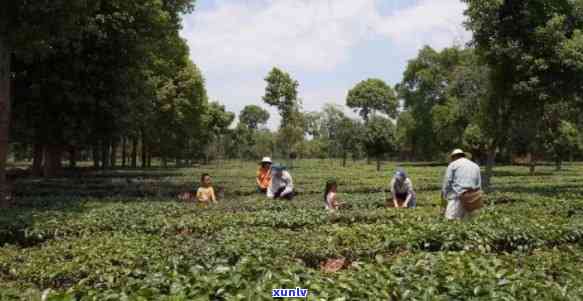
x,y
95,155
104,155
344,155
558,163
532,168
134,152
490,161
37,160
532,165
144,155
113,155
52,162
149,158
144,151
72,157
5,56
378,164
124,151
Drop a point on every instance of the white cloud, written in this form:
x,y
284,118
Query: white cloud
x,y
236,42
436,23
309,35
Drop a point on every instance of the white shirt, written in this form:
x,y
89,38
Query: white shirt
x,y
329,201
279,182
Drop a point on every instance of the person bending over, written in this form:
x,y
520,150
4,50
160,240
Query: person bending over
x,y
403,195
282,185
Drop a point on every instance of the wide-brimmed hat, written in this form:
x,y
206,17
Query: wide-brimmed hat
x,y
266,160
456,152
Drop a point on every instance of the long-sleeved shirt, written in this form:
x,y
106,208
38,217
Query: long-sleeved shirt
x,y
461,175
263,177
401,187
277,183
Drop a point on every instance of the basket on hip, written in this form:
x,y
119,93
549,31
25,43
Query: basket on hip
x,y
472,200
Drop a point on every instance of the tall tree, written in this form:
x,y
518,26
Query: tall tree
x,y
332,116
91,81
428,96
313,124
533,50
253,116
404,134
348,137
281,92
370,96
28,29
216,121
379,138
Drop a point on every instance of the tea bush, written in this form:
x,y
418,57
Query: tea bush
x,y
122,236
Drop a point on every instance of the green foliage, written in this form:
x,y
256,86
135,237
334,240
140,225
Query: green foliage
x,y
370,96
216,122
442,92
379,137
281,92
349,136
533,68
475,141
217,119
90,73
533,54
253,116
404,132
76,248
313,124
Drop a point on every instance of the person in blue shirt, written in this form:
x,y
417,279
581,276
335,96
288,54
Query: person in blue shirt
x,y
462,176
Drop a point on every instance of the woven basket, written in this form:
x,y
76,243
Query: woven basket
x,y
472,200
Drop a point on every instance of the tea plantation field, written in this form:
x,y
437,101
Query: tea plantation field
x,y
121,235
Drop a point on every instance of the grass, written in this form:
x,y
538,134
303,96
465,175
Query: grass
x,y
121,235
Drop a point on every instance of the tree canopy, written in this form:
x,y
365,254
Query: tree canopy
x,y
371,96
253,116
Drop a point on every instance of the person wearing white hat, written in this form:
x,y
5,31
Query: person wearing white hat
x,y
264,175
462,180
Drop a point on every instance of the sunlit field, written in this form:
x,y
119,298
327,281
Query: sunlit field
x,y
122,235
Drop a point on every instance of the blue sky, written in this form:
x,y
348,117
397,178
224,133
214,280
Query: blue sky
x,y
327,45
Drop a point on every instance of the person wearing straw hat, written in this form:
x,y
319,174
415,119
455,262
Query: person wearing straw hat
x,y
264,175
282,185
403,195
462,186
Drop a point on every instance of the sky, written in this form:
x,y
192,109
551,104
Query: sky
x,y
328,46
